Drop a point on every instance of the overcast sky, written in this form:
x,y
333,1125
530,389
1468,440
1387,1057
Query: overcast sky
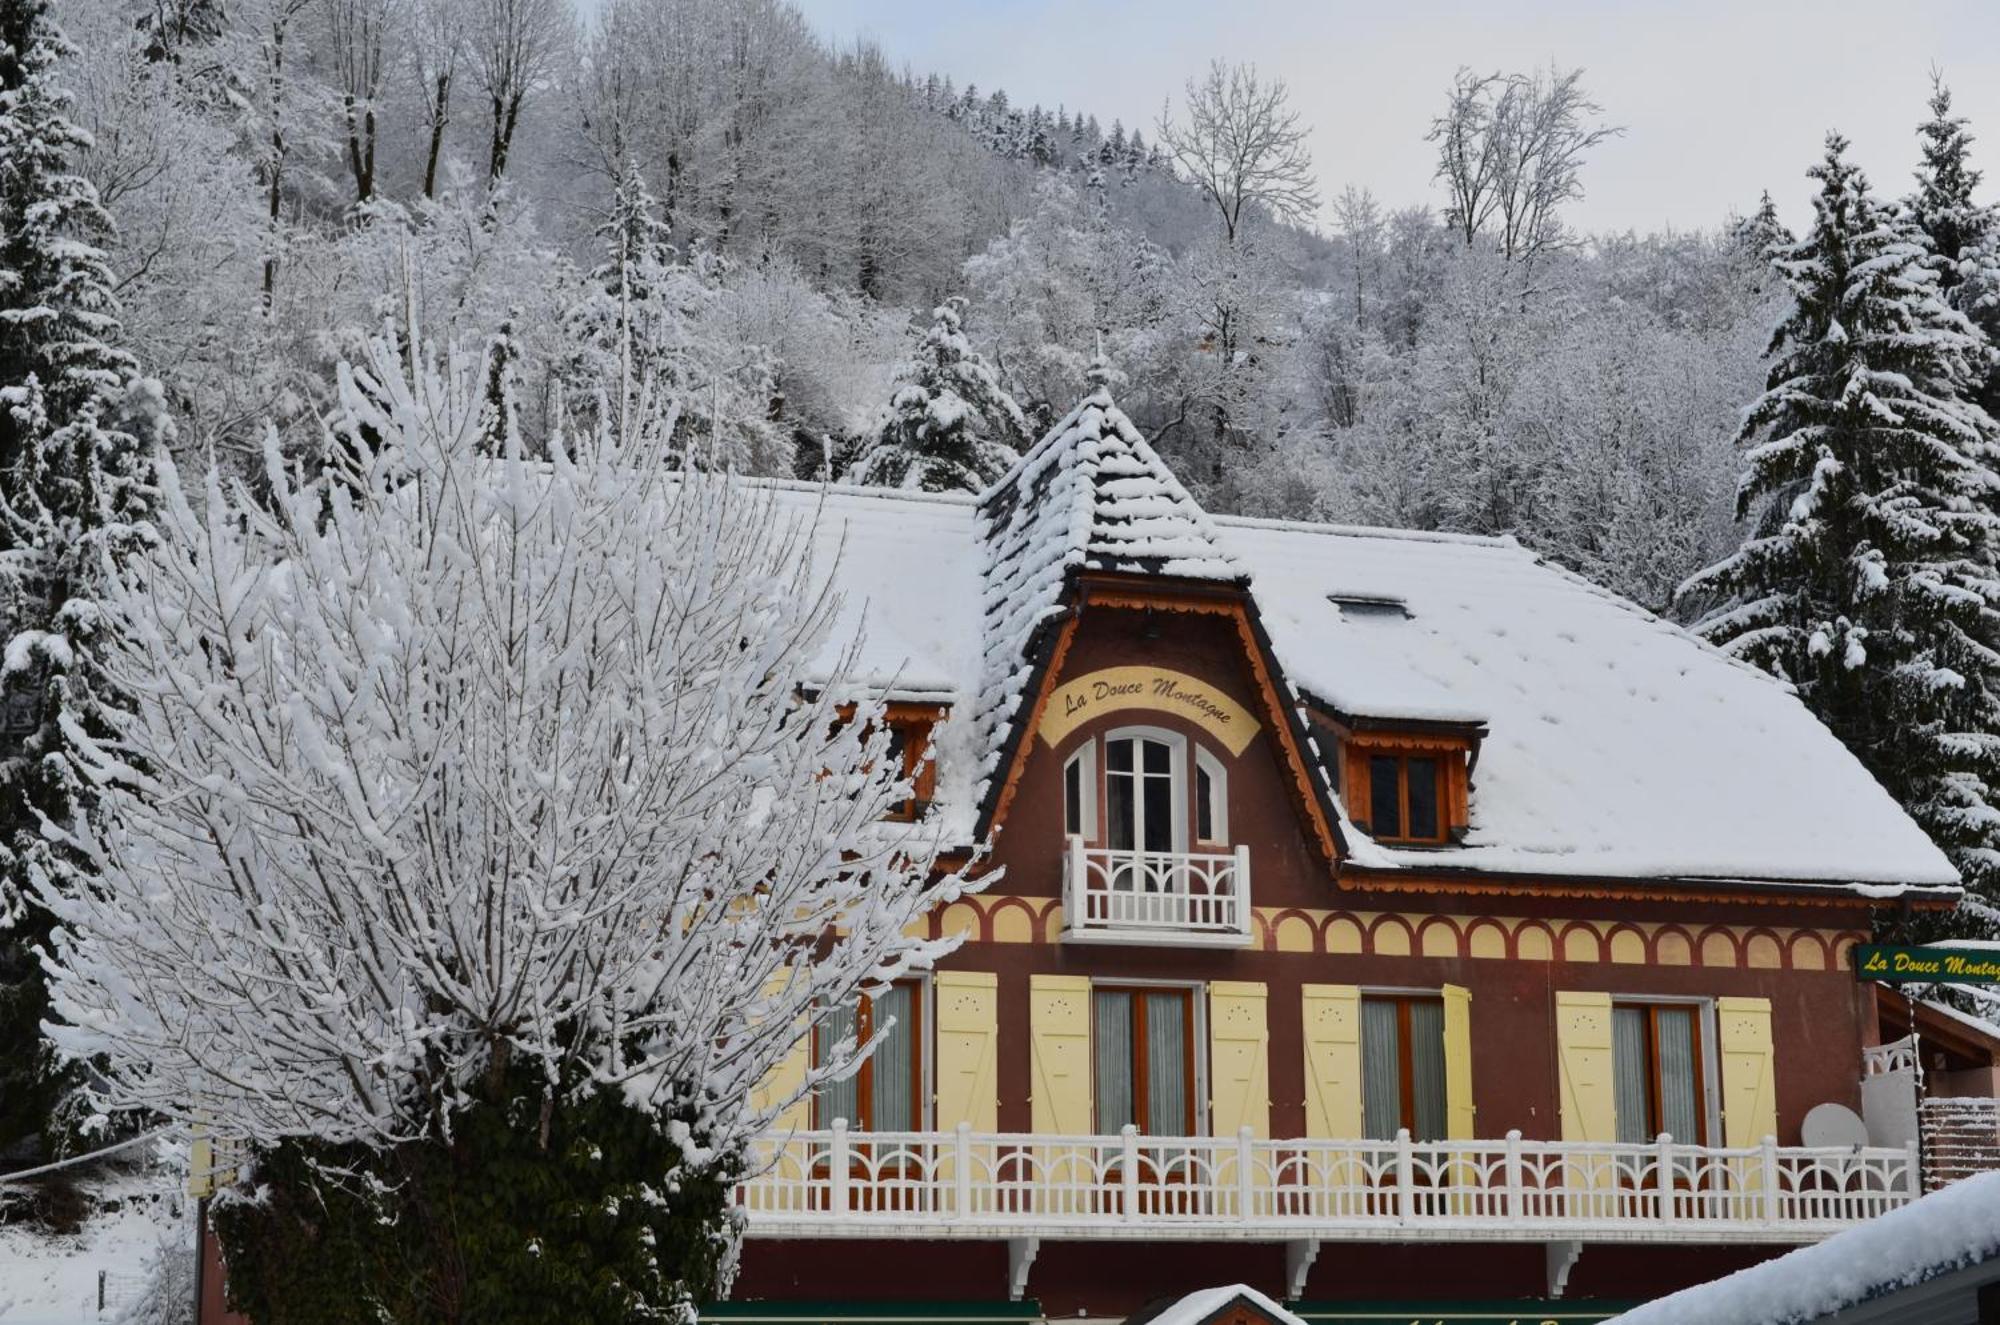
x,y
1719,100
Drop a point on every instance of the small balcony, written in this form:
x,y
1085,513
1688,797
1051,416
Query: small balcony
x,y
1180,898
963,1184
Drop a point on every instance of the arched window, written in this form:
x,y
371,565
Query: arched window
x,y
1130,790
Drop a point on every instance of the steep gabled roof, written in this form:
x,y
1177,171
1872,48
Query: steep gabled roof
x,y
1091,495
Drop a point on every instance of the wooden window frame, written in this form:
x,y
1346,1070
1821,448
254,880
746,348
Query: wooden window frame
x,y
1655,1087
1365,794
864,1079
1141,1076
1406,1065
915,725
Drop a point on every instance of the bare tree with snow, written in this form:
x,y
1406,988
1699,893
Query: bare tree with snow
x,y
1243,145
463,798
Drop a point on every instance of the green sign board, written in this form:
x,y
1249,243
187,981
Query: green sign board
x,y
1895,963
1457,1313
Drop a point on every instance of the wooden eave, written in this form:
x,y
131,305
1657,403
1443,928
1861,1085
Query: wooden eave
x,y
1460,880
1934,1027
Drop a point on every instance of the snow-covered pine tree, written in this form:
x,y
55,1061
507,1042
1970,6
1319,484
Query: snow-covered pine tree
x,y
1869,579
951,427
74,492
642,328
1963,235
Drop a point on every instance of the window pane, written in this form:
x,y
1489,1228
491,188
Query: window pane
x,y
1073,796
1159,814
1113,1046
1385,814
1423,774
1119,810
1118,756
894,1065
1204,805
1167,1111
1381,1069
837,1099
1427,1069
1680,1108
1159,759
1630,1071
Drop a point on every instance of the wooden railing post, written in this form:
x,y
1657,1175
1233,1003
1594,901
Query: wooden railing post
x,y
1246,1186
1128,1168
1517,1193
961,1171
1770,1162
1406,1175
838,1163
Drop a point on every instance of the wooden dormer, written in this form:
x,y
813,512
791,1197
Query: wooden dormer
x,y
1404,783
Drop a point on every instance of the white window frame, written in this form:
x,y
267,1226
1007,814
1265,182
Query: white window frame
x,y
1085,761
1218,781
1177,771
1198,1011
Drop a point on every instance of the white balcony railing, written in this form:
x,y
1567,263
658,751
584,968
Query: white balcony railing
x,y
1179,897
965,1184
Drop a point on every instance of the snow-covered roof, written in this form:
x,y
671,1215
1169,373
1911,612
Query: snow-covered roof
x,y
1091,495
1617,745
1200,1306
1922,1242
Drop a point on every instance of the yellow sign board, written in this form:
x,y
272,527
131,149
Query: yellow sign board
x,y
1112,689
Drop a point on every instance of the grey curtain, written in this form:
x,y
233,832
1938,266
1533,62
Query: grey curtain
x,y
1381,1070
895,1062
1680,1110
838,1099
1112,1043
1427,1068
1167,1112
1629,1072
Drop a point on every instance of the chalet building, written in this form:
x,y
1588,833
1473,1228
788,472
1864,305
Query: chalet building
x,y
1391,922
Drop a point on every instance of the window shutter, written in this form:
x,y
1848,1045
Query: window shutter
x,y
789,1073
1239,1058
968,1033
1583,1051
1059,1045
1458,1110
1333,1060
1749,1092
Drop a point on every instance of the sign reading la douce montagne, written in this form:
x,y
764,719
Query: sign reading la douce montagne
x,y
1891,963
1112,689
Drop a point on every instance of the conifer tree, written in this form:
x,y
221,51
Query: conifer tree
x,y
74,492
1869,579
951,427
1963,236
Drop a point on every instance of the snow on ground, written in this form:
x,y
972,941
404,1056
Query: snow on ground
x,y
52,1280
1944,1231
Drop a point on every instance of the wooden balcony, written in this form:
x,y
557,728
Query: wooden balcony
x,y
1179,898
967,1185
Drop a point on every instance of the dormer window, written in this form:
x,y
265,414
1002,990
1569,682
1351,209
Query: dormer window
x,y
1406,798
1146,857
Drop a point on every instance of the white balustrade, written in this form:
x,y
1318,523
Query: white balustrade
x,y
1172,897
1897,1056
979,1185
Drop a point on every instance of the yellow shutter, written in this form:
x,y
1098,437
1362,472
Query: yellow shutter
x,y
1239,1059
1583,1053
1749,1091
1059,1046
1333,1060
787,1075
968,1034
1458,1111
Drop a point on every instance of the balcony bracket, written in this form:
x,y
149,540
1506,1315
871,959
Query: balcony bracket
x,y
1300,1253
1020,1255
1562,1257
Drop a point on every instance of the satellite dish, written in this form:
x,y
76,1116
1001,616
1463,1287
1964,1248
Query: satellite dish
x,y
1833,1125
